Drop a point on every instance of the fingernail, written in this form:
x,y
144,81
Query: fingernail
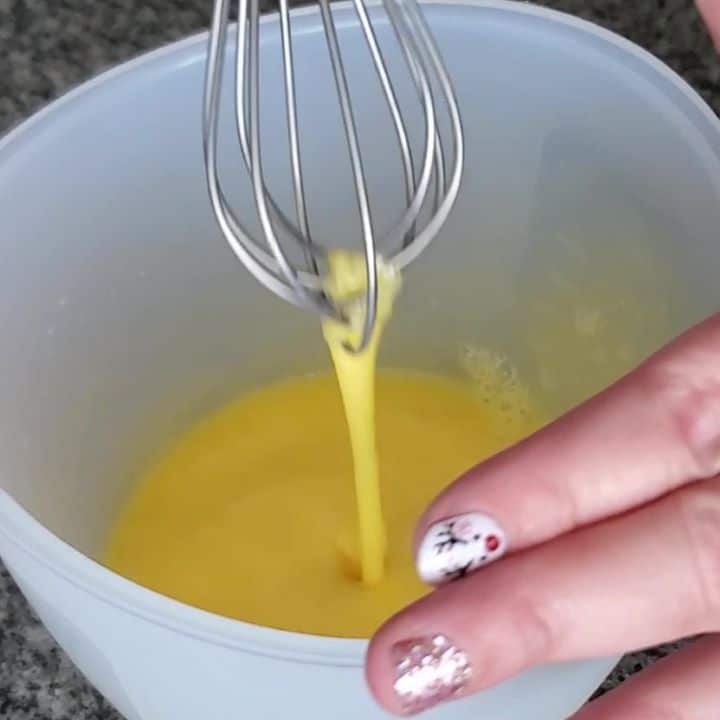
x,y
428,671
459,545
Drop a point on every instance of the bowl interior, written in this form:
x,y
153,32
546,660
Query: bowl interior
x,y
590,200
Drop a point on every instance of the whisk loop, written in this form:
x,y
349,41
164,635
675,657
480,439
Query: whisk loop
x,y
268,261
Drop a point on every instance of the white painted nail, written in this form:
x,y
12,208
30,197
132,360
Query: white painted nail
x,y
459,545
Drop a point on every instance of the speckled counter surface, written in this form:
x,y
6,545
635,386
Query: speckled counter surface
x,y
47,46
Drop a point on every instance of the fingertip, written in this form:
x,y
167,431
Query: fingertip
x,y
710,11
411,666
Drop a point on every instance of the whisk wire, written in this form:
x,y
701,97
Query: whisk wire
x,y
237,238
353,144
300,232
429,48
406,225
305,297
295,160
392,102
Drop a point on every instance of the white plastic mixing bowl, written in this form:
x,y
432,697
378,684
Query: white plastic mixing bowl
x,y
125,318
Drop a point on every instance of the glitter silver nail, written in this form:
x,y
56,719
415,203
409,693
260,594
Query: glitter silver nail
x,y
428,671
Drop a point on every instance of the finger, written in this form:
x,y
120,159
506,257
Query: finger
x,y
652,432
683,686
631,581
710,10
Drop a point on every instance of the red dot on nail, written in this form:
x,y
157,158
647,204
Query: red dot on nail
x,y
492,543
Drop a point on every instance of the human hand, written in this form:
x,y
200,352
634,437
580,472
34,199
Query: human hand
x,y
710,10
598,534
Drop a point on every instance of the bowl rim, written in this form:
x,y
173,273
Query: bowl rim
x,y
26,534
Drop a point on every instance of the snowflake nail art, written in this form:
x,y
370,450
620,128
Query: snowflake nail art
x,y
459,545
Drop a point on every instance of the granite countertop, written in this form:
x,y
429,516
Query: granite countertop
x,y
51,45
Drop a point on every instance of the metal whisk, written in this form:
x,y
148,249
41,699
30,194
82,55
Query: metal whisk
x,y
268,261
